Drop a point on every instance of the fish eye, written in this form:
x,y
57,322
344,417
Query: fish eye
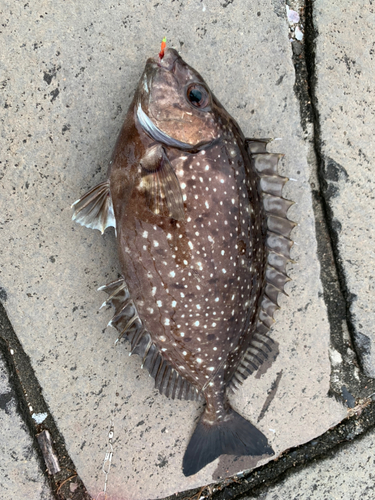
x,y
197,95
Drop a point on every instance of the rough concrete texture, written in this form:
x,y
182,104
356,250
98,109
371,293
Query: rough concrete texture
x,y
69,72
20,472
348,473
345,56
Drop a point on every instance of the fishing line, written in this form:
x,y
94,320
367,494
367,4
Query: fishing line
x,y
107,462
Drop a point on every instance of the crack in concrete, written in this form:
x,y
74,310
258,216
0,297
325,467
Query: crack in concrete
x,y
336,297
336,294
65,484
359,420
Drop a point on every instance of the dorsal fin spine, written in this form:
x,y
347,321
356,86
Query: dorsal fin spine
x,y
279,244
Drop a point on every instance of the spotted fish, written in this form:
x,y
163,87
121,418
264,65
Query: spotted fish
x,y
203,241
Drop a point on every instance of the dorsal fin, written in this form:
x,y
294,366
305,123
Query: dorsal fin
x,y
127,322
279,227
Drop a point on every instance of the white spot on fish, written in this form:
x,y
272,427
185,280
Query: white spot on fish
x,y
145,234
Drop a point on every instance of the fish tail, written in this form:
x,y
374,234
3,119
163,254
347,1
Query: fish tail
x,y
231,435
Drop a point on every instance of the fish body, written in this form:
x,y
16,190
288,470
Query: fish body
x,y
203,241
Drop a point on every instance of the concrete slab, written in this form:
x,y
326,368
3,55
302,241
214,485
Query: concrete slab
x,y
70,73
345,54
347,473
20,472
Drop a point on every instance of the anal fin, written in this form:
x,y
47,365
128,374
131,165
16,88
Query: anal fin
x,y
95,210
168,380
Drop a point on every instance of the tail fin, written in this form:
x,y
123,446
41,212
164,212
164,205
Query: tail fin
x,y
233,435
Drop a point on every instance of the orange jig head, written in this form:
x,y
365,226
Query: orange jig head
x,y
162,48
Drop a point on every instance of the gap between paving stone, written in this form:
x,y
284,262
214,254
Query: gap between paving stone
x,y
345,374
27,388
59,341
65,484
336,293
359,420
333,298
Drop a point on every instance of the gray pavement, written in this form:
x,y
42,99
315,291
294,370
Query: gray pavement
x,y
21,475
345,55
347,473
68,75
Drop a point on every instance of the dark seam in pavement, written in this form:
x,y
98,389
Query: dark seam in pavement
x,y
29,394
24,380
335,289
304,88
361,419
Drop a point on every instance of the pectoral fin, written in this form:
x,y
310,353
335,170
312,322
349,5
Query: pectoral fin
x,y
160,183
95,209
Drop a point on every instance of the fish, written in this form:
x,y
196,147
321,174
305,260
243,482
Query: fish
x,y
203,242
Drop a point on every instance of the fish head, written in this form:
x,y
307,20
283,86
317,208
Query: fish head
x,y
175,105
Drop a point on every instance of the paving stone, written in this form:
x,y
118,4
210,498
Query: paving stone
x,y
348,473
20,472
345,56
70,73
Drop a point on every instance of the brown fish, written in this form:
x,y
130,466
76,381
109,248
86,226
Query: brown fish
x,y
203,241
